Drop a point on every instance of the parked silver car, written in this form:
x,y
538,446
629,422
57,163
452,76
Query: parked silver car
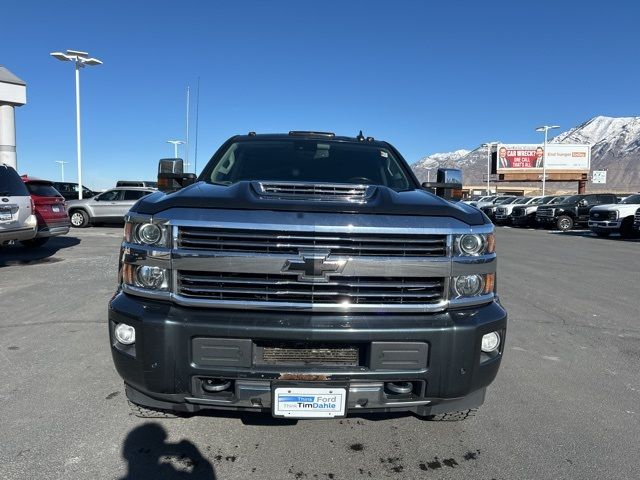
x,y
107,207
17,219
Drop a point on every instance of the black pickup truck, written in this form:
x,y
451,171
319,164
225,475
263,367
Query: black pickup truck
x,y
573,211
307,275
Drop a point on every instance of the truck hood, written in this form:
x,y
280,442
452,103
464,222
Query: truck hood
x,y
625,208
242,196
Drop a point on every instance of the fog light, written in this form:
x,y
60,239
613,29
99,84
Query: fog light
x,y
468,285
149,233
125,334
490,342
150,277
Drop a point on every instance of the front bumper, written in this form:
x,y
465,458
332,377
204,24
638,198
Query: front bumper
x,y
604,225
166,366
545,220
521,220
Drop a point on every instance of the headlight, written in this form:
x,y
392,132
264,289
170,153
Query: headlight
x,y
150,277
474,244
465,286
145,276
151,234
468,285
125,334
613,215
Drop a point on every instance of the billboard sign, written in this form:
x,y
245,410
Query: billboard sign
x,y
530,157
599,176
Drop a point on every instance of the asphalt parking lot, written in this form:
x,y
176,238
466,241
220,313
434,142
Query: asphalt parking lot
x,y
566,403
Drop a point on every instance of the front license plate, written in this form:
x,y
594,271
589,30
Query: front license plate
x,y
5,217
309,402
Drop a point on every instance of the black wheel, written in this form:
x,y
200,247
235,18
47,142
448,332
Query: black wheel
x,y
79,218
34,242
564,223
603,234
146,412
453,416
626,229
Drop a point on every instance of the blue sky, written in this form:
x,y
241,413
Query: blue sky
x,y
427,76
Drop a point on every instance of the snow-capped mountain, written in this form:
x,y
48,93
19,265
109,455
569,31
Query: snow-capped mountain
x,y
615,147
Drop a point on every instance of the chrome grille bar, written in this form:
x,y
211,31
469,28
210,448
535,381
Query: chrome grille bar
x,y
282,288
266,241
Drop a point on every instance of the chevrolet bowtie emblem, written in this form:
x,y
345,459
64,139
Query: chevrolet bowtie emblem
x,y
313,266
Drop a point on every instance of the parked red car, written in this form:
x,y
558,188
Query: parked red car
x,y
50,210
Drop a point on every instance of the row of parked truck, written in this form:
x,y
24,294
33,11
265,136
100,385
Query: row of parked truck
x,y
602,213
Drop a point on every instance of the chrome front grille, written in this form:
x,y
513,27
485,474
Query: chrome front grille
x,y
285,288
272,241
315,191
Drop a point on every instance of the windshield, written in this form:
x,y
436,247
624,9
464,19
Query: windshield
x,y
540,200
631,199
572,199
520,201
555,200
505,200
298,160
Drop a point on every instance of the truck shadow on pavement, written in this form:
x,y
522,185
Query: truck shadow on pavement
x,y
18,255
150,457
265,418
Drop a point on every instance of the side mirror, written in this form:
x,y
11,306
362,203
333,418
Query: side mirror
x,y
448,185
171,175
583,202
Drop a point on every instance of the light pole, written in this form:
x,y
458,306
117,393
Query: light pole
x,y
488,147
81,60
62,167
175,146
545,129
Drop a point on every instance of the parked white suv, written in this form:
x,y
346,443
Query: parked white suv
x,y
17,219
614,217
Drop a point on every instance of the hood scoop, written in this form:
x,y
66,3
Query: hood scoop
x,y
320,192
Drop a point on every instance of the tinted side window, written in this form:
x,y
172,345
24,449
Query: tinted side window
x,y
602,199
11,185
134,194
591,199
110,196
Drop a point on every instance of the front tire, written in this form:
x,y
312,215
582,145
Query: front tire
x,y
564,223
626,229
79,219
